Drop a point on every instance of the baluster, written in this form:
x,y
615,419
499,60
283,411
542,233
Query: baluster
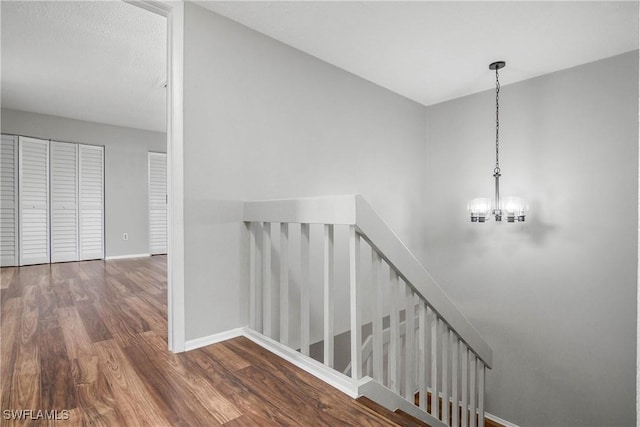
x,y
304,289
252,276
410,331
266,279
259,277
284,283
472,389
465,366
394,334
445,373
480,393
376,295
355,313
454,380
435,410
328,295
422,354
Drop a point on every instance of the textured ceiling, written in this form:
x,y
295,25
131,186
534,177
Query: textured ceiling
x,y
96,61
105,61
433,51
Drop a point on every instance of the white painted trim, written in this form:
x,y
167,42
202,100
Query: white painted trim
x,y
213,339
499,420
114,257
175,179
638,298
162,8
176,320
328,375
309,210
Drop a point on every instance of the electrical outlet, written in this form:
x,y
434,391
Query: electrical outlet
x,y
125,236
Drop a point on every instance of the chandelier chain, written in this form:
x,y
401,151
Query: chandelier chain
x,y
497,169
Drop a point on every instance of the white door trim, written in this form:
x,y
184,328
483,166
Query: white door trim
x,y
638,304
174,12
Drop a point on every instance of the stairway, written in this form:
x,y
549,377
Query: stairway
x,y
405,334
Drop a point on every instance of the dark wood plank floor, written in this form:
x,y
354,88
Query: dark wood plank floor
x,y
90,338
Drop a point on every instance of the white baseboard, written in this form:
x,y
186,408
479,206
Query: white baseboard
x,y
213,339
109,258
499,420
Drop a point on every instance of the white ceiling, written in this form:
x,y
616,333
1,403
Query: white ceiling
x,y
433,51
105,61
96,61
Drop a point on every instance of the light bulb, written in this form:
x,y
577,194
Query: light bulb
x,y
514,208
479,209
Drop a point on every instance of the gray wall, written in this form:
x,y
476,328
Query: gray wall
x,y
263,120
555,296
126,202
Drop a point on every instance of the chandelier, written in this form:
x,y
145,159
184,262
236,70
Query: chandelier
x,y
512,208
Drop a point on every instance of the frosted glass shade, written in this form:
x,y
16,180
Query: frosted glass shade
x,y
514,208
479,209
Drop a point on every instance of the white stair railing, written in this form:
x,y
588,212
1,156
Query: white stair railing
x,y
428,347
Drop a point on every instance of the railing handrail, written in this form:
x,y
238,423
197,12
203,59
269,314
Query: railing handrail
x,y
355,210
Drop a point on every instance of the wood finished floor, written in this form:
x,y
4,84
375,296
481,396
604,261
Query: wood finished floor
x,y
90,338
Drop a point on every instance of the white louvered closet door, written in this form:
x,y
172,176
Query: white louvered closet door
x,y
34,200
157,203
91,198
8,201
64,201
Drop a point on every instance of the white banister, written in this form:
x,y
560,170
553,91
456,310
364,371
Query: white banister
x,y
480,393
354,210
305,284
454,380
434,363
312,210
445,374
394,331
328,295
376,296
447,355
355,309
472,390
422,354
465,378
252,276
284,283
266,280
259,280
397,255
410,345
